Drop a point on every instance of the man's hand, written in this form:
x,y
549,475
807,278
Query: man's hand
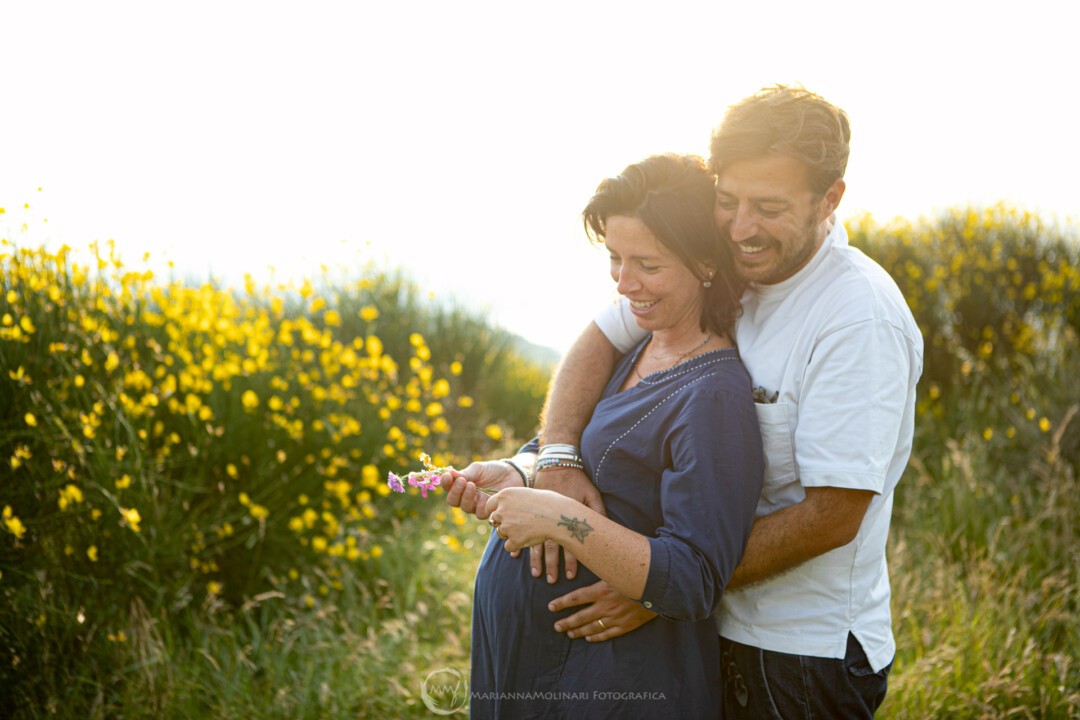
x,y
619,613
462,487
575,484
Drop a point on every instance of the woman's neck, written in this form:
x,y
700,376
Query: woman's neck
x,y
672,342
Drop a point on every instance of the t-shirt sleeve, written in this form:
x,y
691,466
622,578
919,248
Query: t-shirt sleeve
x,y
708,496
617,323
855,388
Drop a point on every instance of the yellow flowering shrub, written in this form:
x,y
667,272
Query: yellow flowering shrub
x,y
996,293
208,441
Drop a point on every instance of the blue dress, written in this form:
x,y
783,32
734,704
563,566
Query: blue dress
x,y
678,459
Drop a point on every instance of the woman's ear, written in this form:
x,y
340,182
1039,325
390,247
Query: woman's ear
x,y
707,271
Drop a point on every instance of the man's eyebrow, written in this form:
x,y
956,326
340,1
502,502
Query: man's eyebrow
x,y
766,199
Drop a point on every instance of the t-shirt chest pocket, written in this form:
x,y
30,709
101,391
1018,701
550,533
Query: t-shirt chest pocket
x,y
779,448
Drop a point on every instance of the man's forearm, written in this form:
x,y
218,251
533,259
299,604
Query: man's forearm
x,y
578,383
826,519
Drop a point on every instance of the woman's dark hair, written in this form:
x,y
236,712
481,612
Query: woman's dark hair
x,y
674,195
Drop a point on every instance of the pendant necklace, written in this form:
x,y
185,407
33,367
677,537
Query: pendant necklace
x,y
677,360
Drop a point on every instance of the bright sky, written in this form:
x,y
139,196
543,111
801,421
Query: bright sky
x,y
460,140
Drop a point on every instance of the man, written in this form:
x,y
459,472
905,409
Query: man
x,y
834,355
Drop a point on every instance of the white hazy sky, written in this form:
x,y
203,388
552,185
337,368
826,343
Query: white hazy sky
x,y
460,140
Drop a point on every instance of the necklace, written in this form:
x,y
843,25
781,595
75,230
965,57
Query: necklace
x,y
677,360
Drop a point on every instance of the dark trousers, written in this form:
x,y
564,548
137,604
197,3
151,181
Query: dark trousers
x,y
764,684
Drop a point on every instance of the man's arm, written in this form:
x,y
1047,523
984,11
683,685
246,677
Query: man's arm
x,y
826,519
576,387
578,383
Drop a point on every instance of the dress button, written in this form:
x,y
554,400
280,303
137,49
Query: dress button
x,y
647,604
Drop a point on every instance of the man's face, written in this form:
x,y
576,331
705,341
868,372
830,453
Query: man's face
x,y
766,209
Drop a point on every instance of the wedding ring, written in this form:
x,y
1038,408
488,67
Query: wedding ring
x,y
602,625
498,531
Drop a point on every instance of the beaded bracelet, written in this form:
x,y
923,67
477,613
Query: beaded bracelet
x,y
551,463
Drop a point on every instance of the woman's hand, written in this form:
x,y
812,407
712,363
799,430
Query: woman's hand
x,y
464,489
525,517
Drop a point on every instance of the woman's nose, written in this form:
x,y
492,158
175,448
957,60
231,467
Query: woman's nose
x,y
625,281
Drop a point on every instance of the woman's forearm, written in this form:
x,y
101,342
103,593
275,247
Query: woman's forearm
x,y
616,554
525,517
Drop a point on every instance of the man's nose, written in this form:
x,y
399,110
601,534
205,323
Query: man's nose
x,y
743,225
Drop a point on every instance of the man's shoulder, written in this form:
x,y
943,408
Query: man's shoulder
x,y
856,286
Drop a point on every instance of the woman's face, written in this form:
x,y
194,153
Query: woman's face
x,y
663,293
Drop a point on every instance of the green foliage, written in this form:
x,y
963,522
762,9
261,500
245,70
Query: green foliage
x,y
984,553
172,453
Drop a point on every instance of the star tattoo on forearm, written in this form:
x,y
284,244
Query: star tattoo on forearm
x,y
578,528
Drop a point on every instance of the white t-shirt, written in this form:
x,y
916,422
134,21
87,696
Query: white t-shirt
x,y
839,345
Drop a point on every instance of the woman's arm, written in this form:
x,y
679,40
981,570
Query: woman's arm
x,y
707,498
616,554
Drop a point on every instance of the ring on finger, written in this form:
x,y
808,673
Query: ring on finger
x,y
499,532
602,625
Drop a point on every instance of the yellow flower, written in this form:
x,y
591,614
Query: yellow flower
x,y
230,470
259,512
123,483
369,476
494,432
376,551
13,524
70,495
1044,424
131,517
465,401
30,419
250,399
213,587
369,313
332,318
91,552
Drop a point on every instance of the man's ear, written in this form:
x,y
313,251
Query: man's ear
x,y
831,200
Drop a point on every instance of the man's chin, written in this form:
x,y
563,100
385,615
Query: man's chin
x,y
756,271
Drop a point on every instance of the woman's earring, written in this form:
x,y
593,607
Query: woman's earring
x,y
708,281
